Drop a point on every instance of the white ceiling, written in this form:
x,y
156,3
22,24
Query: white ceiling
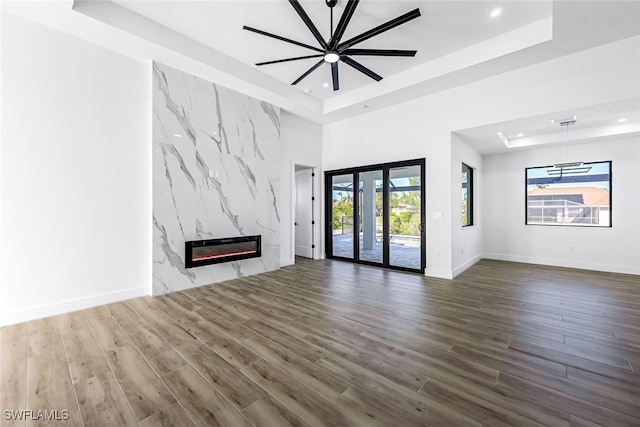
x,y
457,42
604,121
444,27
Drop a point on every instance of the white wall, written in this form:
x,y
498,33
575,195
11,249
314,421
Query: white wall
x,y
301,142
404,132
422,127
75,174
615,249
466,242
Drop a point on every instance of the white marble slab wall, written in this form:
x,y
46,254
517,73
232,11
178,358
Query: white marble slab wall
x,y
215,174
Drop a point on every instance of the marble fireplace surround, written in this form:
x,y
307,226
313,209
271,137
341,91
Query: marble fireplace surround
x,y
216,156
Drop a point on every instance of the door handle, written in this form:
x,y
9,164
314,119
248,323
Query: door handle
x,y
295,223
421,228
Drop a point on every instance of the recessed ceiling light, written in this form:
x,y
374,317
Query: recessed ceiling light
x,y
622,120
496,12
177,135
325,84
520,135
308,90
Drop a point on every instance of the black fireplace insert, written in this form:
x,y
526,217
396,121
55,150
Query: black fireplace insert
x,y
214,251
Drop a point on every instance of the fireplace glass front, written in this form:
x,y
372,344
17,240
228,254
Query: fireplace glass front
x,y
214,251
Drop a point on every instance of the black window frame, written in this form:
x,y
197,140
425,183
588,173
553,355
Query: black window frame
x,y
583,164
469,217
355,171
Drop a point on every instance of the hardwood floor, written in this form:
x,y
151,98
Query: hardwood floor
x,y
331,343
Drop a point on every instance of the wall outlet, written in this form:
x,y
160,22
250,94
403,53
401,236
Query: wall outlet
x,y
437,215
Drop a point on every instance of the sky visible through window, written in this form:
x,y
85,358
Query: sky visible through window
x,y
601,168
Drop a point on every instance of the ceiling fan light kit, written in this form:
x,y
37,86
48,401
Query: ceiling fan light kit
x,y
333,50
331,56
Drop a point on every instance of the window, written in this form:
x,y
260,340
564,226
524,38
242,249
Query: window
x,y
467,195
572,194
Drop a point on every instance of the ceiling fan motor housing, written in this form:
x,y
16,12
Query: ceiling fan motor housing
x,y
331,3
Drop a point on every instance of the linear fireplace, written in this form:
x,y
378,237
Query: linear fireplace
x,y
214,251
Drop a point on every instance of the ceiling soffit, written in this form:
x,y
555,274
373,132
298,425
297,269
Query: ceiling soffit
x,y
573,26
195,56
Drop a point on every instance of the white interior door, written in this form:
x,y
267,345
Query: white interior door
x,y
304,213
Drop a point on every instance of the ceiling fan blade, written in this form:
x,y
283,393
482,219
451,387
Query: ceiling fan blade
x,y
349,9
334,76
358,66
277,61
305,18
309,71
415,13
284,39
379,52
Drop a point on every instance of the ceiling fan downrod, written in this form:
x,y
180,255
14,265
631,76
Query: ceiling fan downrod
x,y
331,4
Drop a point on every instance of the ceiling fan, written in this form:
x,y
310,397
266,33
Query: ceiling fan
x,y
333,50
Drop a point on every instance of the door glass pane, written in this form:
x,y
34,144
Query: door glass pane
x,y
370,208
405,217
342,215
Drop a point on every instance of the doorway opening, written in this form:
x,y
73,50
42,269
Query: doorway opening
x,y
304,215
375,215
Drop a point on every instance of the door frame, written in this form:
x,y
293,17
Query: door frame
x,y
311,200
355,171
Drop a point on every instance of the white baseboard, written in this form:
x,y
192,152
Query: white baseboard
x,y
624,269
458,270
437,274
68,306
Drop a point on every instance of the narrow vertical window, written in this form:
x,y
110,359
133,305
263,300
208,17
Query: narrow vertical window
x,y
467,195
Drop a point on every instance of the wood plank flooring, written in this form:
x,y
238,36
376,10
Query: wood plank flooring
x,y
332,343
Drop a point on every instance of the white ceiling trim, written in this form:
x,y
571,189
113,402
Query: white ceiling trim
x,y
504,44
114,27
196,58
575,25
599,122
575,135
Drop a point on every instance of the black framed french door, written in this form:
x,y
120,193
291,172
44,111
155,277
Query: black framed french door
x,y
375,215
